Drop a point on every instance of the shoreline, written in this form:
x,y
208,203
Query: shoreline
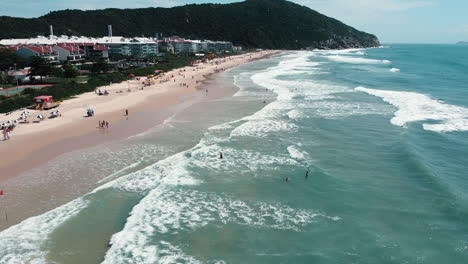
x,y
29,145
23,199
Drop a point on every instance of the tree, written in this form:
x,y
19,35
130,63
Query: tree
x,y
6,78
101,66
9,59
40,67
69,71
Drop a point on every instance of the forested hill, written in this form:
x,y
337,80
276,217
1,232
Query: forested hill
x,y
253,23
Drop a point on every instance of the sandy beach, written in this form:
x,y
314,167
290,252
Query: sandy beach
x,y
35,145
30,144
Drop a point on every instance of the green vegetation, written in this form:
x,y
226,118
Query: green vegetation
x,y
78,79
268,24
8,59
69,71
40,67
101,66
68,87
60,91
173,63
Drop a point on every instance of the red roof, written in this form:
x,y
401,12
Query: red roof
x,y
38,49
70,47
84,44
100,47
43,98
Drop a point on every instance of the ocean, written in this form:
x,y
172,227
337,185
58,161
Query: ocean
x,y
382,132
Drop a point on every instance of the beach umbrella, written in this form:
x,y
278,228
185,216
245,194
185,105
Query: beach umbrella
x,y
89,110
132,75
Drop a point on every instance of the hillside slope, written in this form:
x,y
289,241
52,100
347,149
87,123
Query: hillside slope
x,y
275,24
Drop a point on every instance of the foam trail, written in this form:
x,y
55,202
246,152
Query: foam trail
x,y
267,120
120,172
356,60
395,70
343,51
167,210
296,153
23,243
413,107
170,208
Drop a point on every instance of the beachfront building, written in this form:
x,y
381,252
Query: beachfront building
x,y
116,45
29,51
181,45
143,47
69,53
221,46
94,51
105,46
139,47
184,46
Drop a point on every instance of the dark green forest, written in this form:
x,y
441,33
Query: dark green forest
x,y
269,24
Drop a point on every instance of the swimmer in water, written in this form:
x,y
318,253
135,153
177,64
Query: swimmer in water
x,y
307,173
221,155
286,179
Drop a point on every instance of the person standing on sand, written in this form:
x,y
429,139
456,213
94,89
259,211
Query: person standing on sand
x,y
5,136
107,124
126,112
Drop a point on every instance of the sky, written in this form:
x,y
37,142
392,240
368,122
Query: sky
x,y
393,21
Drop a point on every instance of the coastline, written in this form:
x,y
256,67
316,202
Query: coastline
x,y
148,113
29,143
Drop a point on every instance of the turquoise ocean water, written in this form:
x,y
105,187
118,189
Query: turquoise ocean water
x,y
383,133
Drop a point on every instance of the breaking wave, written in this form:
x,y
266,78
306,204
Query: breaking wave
x,y
413,107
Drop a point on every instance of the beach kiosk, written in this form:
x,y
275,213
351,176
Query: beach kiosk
x,y
45,102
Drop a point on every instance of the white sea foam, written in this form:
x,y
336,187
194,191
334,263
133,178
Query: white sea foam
x,y
296,153
24,242
235,160
413,107
173,171
169,171
171,211
395,70
120,172
343,51
268,120
262,128
334,109
168,254
356,60
296,114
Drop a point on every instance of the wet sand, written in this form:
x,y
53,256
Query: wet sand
x,y
33,144
27,201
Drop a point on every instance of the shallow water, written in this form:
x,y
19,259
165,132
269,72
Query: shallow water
x,y
383,133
